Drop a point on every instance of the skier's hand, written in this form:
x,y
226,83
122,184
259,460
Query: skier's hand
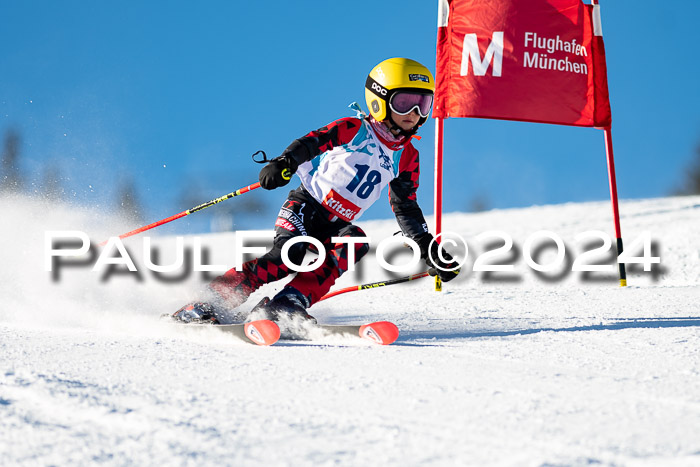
x,y
278,172
439,261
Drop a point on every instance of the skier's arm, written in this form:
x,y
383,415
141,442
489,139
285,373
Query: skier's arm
x,y
402,196
280,170
324,139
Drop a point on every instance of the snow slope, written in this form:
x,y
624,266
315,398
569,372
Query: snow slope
x,y
508,369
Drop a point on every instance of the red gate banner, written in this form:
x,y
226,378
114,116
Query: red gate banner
x,y
528,60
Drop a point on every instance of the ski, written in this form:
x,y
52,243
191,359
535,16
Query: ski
x,y
260,332
267,332
379,332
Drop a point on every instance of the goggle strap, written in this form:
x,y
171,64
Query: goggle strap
x,y
376,88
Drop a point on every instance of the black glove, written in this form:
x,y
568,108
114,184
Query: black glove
x,y
278,172
437,267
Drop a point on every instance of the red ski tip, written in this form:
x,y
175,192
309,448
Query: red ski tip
x,y
262,332
381,332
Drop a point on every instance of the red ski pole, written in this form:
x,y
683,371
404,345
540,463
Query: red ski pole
x,y
374,285
189,211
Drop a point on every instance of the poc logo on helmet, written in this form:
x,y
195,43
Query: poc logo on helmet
x,y
379,89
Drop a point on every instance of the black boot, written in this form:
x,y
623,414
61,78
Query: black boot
x,y
289,303
197,312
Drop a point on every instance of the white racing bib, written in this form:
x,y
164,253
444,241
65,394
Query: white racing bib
x,y
349,178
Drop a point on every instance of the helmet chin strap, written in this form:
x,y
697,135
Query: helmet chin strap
x,y
393,126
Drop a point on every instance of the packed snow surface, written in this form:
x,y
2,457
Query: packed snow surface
x,y
503,368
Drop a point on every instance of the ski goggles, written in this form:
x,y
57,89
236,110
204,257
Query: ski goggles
x,y
404,103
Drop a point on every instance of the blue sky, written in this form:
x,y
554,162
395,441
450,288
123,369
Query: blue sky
x,y
178,95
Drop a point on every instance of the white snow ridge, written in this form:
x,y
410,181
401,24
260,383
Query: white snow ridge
x,y
504,368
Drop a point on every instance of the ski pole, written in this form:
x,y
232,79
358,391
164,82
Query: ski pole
x,y
374,285
189,211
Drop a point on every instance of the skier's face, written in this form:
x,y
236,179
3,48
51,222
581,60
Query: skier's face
x,y
406,122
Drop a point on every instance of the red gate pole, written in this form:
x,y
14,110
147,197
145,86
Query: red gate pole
x,y
439,133
438,174
613,198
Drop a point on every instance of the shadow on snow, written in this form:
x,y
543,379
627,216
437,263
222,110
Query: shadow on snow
x,y
630,323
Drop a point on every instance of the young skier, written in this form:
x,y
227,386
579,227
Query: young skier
x,y
343,168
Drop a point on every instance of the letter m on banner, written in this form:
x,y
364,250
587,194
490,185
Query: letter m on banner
x,y
529,60
471,54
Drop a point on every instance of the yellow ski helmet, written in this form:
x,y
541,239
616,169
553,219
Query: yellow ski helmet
x,y
393,75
